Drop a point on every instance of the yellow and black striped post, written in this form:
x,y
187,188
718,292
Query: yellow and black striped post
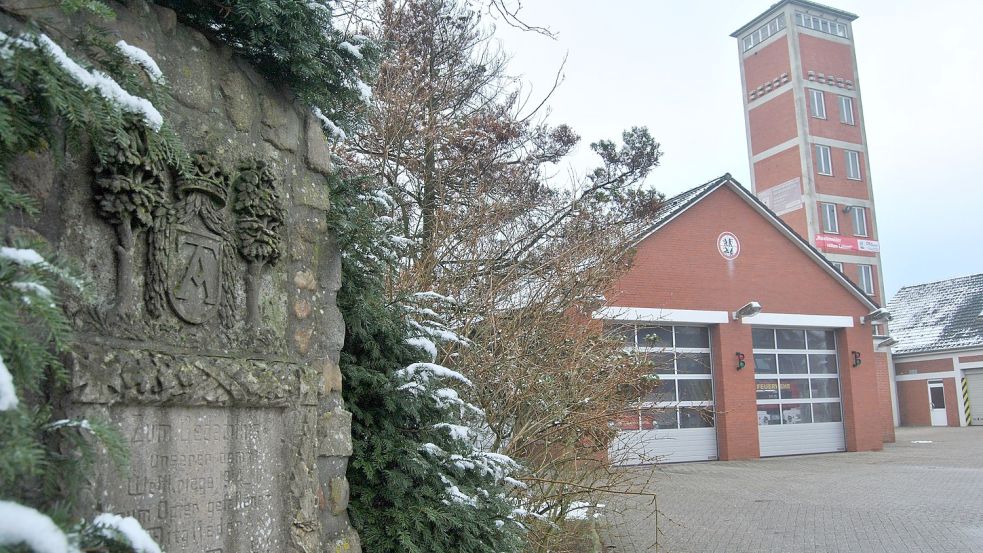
x,y
969,419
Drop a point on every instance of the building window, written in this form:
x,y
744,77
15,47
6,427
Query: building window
x,y
852,165
823,162
846,110
859,221
866,279
817,104
820,24
830,224
796,376
682,370
838,265
764,32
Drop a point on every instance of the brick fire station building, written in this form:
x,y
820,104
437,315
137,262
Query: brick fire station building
x,y
807,384
800,245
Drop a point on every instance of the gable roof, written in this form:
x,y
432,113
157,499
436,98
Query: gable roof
x,y
937,316
677,205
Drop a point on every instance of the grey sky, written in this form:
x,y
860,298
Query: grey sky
x,y
672,66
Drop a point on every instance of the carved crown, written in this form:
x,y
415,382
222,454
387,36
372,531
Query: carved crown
x,y
207,178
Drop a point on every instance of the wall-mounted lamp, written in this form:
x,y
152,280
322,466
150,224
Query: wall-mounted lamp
x,y
856,358
887,343
749,309
876,315
740,361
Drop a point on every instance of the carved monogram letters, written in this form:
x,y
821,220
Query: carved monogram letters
x,y
192,261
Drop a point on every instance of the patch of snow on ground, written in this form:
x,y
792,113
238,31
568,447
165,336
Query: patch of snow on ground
x,y
20,524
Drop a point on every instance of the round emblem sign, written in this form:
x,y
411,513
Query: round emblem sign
x,y
728,245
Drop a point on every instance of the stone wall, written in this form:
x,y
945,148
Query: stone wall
x,y
219,365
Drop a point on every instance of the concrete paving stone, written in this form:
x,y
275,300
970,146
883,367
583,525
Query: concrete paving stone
x,y
915,498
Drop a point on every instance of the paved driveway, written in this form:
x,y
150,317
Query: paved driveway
x,y
908,498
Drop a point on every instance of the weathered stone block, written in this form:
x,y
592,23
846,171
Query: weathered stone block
x,y
335,429
190,75
305,280
281,125
332,375
339,495
240,103
318,151
312,194
350,543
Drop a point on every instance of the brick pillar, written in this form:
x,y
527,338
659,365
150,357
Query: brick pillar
x,y
884,394
734,393
862,414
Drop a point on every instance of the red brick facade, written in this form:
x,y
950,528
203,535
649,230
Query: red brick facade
x,y
680,267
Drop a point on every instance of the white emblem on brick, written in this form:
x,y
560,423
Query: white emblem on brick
x,y
728,245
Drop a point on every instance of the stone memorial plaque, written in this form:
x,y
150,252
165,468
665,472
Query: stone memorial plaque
x,y
202,479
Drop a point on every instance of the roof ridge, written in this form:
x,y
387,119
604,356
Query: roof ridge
x,y
921,284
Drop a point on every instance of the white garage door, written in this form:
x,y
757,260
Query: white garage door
x,y
798,391
674,422
975,379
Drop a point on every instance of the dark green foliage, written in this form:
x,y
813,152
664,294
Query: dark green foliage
x,y
399,494
43,461
291,42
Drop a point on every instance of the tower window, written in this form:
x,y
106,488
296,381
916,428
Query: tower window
x,y
830,224
764,32
817,104
820,24
859,221
866,274
846,110
852,165
824,164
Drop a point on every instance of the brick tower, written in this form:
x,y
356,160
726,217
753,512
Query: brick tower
x,y
806,141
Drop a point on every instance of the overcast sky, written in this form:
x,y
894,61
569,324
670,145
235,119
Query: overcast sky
x,y
672,66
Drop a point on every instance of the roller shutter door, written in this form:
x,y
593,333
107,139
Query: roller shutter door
x,y
798,391
673,422
975,380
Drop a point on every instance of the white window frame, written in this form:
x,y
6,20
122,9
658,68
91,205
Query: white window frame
x,y
853,165
817,104
831,224
764,32
859,217
824,161
820,24
846,111
866,278
838,265
808,375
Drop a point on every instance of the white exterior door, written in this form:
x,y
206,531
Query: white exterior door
x,y
797,382
936,403
674,421
975,378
